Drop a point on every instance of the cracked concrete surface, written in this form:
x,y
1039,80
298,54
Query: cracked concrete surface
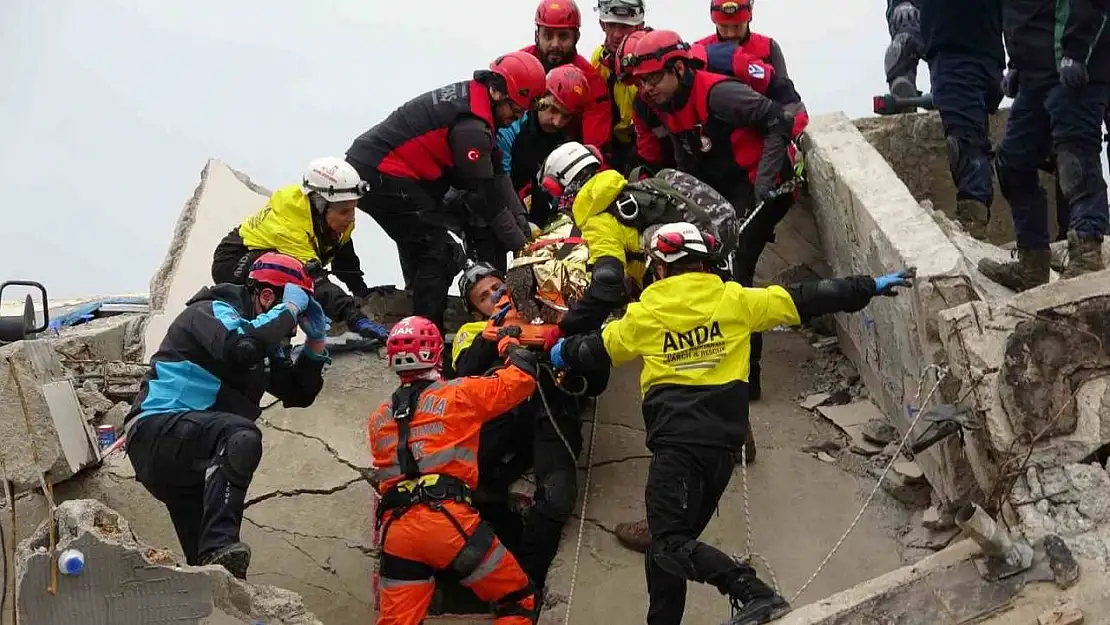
x,y
310,517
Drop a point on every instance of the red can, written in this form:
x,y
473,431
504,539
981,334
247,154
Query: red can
x,y
105,436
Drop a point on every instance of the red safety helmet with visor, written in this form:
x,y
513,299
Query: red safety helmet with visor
x,y
524,76
730,11
654,52
568,87
278,270
414,345
558,14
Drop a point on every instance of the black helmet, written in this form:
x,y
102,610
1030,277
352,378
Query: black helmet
x,y
471,276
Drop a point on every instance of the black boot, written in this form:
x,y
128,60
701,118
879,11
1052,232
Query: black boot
x,y
236,558
755,390
754,602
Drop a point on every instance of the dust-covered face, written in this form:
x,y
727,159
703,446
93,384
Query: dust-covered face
x,y
556,45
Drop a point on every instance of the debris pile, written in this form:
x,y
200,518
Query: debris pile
x,y
138,579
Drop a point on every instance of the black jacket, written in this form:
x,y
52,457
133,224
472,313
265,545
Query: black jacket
x,y
963,27
218,356
1040,32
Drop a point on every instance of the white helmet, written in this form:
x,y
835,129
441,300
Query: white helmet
x,y
564,164
674,241
334,179
628,12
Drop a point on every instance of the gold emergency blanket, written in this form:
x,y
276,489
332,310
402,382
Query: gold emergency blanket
x,y
553,269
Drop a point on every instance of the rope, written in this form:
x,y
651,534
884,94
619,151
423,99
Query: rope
x,y
582,515
942,373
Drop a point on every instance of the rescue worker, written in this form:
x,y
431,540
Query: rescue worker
x,y
424,441
963,46
756,59
558,28
526,143
726,134
313,222
903,20
441,139
694,385
618,19
1061,62
525,437
191,432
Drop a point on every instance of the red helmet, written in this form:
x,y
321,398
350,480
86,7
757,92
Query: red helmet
x,y
279,270
624,49
731,11
568,86
558,14
525,78
654,51
414,345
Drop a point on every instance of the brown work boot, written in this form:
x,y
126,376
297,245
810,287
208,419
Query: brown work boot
x,y
973,215
634,535
1084,255
1029,270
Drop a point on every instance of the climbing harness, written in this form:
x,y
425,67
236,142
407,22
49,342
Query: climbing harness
x,y
942,373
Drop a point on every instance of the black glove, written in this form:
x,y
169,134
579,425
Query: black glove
x,y
524,359
458,255
1010,83
763,192
1073,74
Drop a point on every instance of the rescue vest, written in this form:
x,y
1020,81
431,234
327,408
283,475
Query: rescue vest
x,y
756,45
286,224
622,96
412,142
718,151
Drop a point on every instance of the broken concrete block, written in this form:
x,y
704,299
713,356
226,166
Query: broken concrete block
x,y
116,415
936,519
41,424
1065,569
1065,612
815,400
111,338
1092,485
912,493
141,581
879,432
92,400
851,419
909,470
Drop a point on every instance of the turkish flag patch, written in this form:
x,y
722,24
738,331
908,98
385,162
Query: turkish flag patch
x,y
473,155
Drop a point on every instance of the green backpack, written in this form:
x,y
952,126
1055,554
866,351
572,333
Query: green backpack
x,y
671,196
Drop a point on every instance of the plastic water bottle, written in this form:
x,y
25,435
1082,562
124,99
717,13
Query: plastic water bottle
x,y
71,562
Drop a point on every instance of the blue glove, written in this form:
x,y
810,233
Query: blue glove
x,y
885,285
556,355
1073,74
314,322
296,298
369,330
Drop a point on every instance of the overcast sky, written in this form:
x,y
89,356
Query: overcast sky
x,y
111,108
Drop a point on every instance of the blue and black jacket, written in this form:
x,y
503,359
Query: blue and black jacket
x,y
1039,33
216,357
524,147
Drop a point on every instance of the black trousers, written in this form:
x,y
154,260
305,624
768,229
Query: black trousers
x,y
177,458
508,447
406,210
683,488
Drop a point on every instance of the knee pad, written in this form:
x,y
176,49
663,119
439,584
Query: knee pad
x,y
1077,178
1015,184
673,556
514,604
560,491
903,55
969,166
905,17
240,456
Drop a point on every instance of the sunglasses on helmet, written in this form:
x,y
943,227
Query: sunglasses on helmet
x,y
362,188
732,8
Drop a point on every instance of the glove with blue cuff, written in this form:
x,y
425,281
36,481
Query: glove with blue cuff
x,y
556,355
295,298
369,330
314,322
886,285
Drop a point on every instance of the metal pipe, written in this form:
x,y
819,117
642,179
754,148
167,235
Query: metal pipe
x,y
995,541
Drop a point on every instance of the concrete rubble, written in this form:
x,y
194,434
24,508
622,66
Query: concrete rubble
x,y
125,581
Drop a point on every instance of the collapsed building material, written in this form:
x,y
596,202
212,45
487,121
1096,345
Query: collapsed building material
x,y
126,582
43,432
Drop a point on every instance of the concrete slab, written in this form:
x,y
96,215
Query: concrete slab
x,y
222,200
870,223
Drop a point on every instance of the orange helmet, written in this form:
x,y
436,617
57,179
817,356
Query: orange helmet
x,y
731,11
278,270
568,86
558,14
525,78
654,52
